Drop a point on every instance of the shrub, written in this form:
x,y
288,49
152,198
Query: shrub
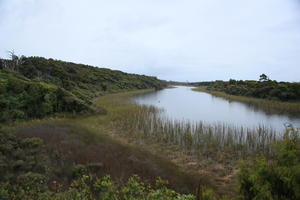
x,y
33,142
79,170
275,179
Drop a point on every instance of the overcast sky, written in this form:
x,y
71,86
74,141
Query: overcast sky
x,y
182,40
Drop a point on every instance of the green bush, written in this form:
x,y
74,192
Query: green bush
x,y
33,142
275,179
4,194
79,170
86,187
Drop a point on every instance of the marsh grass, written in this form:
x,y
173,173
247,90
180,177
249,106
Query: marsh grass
x,y
210,140
269,106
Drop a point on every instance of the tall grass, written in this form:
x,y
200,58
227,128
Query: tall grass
x,y
210,140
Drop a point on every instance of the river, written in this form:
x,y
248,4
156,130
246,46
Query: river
x,y
182,103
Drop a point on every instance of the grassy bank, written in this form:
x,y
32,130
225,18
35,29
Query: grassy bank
x,y
269,106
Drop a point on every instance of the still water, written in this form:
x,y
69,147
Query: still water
x,y
181,103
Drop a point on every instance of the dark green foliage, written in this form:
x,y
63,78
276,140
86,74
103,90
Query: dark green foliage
x,y
31,143
84,81
23,98
36,87
88,187
20,156
263,77
79,170
275,179
265,88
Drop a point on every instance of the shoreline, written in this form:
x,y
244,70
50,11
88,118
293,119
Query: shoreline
x,y
268,106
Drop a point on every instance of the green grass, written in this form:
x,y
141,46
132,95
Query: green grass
x,y
269,106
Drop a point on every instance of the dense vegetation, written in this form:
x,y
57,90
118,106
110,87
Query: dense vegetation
x,y
264,88
22,98
278,178
35,87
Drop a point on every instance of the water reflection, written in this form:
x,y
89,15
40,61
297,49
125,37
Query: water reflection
x,y
182,103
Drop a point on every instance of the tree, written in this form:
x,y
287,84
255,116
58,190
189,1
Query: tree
x,y
232,81
15,60
263,77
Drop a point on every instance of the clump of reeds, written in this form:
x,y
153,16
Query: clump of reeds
x,y
210,140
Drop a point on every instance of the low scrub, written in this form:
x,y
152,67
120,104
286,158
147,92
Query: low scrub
x,y
87,187
277,178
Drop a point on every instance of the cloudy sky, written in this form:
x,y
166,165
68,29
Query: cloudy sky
x,y
182,40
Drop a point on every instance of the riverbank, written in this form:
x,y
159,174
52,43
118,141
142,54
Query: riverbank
x,y
268,106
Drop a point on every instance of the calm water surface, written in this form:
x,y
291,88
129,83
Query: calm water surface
x,y
181,103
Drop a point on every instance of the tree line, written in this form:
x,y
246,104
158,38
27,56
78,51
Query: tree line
x,y
263,88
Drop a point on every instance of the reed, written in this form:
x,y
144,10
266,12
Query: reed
x,y
210,140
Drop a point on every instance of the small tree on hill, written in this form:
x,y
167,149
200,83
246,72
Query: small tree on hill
x,y
263,77
15,60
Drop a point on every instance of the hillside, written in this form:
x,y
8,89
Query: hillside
x,y
34,87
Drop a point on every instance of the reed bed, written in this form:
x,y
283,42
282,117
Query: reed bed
x,y
210,140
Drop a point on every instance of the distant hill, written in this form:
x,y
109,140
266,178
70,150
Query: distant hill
x,y
34,87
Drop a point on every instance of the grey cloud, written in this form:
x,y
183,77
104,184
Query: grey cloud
x,y
175,40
